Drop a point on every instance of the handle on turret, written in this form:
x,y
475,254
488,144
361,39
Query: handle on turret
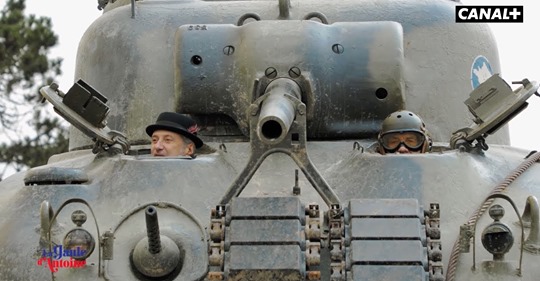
x,y
277,110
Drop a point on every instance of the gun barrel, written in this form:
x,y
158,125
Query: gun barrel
x,y
277,110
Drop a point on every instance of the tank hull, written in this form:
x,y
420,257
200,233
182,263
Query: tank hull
x,y
119,184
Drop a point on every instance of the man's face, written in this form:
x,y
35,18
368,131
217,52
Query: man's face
x,y
167,143
406,142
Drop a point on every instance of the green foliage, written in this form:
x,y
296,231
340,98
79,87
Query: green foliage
x,y
34,151
25,42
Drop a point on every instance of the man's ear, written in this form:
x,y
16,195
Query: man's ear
x,y
190,149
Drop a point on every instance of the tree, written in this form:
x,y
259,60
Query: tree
x,y
24,68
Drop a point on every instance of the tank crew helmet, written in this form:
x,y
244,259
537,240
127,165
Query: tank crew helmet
x,y
178,123
403,128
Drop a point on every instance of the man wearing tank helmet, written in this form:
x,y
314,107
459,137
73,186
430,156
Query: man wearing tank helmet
x,y
403,132
174,134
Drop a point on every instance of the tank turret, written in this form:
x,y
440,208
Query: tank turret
x,y
231,54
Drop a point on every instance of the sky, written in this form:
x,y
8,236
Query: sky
x,y
519,55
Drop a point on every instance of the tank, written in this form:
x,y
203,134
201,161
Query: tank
x,y
289,96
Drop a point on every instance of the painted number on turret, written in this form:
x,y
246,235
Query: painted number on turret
x,y
480,71
197,27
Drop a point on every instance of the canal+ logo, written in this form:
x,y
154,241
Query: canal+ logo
x,y
489,13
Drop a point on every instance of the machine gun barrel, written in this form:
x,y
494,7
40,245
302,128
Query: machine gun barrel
x,y
278,110
152,229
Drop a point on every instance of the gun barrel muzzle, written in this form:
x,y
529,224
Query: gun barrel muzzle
x,y
278,110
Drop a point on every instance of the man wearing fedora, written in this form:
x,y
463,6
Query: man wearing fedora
x,y
174,134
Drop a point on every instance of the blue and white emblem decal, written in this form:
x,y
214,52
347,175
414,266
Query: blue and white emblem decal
x,y
480,71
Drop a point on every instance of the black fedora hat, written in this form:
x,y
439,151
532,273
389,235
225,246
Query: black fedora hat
x,y
178,123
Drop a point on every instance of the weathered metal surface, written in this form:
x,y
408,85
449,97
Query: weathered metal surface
x,y
55,175
352,62
418,175
433,74
260,229
390,233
